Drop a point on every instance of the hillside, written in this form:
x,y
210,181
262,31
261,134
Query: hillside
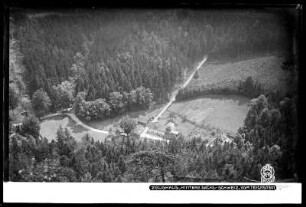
x,y
16,68
96,83
16,83
133,49
266,70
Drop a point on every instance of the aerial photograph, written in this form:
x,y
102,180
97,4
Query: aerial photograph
x,y
153,95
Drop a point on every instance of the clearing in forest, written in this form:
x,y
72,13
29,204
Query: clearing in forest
x,y
202,115
49,127
266,70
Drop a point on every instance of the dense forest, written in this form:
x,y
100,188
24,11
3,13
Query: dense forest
x,y
269,135
101,52
118,103
104,63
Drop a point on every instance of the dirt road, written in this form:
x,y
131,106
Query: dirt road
x,y
144,133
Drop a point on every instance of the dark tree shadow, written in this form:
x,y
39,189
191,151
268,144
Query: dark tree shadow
x,y
242,100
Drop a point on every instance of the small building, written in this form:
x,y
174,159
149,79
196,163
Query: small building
x,y
231,135
67,110
17,127
123,134
224,138
172,128
24,113
219,139
155,132
142,120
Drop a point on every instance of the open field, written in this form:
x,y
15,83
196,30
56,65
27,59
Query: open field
x,y
218,112
151,96
199,116
266,70
194,117
202,115
49,127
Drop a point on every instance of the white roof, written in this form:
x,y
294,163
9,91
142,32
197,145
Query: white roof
x,y
174,132
171,124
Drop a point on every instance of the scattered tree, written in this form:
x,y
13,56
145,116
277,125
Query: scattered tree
x,y
30,126
40,102
196,75
63,95
128,125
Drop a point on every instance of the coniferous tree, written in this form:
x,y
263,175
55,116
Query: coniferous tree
x,y
41,102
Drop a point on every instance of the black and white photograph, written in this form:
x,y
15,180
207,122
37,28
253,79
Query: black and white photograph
x,y
153,95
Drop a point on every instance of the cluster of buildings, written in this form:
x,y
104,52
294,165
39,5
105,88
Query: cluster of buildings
x,y
222,138
144,121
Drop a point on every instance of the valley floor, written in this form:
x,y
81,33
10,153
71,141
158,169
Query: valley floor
x,y
221,113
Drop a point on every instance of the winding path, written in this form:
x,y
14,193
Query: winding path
x,y
76,120
79,122
144,134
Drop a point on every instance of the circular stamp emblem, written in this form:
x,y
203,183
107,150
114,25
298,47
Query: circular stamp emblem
x,y
267,174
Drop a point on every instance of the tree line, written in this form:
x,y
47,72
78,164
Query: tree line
x,y
247,87
269,135
105,51
117,103
105,63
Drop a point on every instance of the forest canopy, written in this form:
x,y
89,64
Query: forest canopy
x,y
105,63
109,51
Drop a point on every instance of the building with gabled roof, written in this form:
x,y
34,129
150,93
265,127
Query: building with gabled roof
x,y
172,128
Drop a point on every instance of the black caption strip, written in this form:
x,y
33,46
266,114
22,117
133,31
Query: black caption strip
x,y
212,187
